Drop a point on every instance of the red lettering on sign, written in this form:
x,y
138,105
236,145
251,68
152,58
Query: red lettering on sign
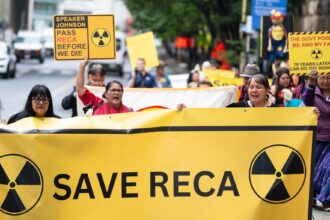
x,y
66,39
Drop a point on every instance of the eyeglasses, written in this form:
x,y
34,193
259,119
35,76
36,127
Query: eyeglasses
x,y
40,100
113,91
324,77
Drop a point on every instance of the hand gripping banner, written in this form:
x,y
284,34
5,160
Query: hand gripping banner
x,y
235,164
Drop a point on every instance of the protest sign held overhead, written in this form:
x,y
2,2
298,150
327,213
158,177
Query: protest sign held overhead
x,y
309,50
80,36
142,46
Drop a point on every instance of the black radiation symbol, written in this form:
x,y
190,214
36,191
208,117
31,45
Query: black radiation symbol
x,y
316,54
101,37
277,174
21,184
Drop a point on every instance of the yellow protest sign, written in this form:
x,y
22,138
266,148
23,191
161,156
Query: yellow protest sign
x,y
309,50
222,73
163,164
224,78
142,46
84,36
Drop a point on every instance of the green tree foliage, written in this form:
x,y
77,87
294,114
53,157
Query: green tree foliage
x,y
170,18
221,18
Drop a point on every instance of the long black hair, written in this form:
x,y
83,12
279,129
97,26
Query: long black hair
x,y
281,71
39,90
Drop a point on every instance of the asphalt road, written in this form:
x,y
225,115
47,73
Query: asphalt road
x,y
58,76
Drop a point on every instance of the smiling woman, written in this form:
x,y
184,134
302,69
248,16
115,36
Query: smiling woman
x,y
113,95
38,104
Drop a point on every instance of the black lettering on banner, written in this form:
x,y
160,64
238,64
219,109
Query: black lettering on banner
x,y
196,183
178,183
231,187
84,179
63,53
125,184
62,186
71,46
76,53
216,83
66,32
107,192
154,184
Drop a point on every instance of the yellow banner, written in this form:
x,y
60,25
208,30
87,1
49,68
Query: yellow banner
x,y
309,50
142,46
84,36
196,164
222,73
224,78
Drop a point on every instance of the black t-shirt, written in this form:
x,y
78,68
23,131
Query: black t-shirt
x,y
24,114
244,104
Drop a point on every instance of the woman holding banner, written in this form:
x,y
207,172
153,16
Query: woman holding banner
x,y
258,93
318,94
113,95
38,104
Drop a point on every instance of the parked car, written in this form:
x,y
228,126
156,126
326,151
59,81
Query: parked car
x,y
29,45
48,36
7,61
118,63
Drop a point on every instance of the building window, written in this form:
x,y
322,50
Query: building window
x,y
44,8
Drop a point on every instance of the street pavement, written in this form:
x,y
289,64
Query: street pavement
x,y
319,214
58,76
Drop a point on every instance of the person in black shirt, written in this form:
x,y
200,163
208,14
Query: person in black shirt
x,y
96,77
38,104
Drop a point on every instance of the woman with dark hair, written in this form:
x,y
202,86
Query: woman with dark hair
x,y
318,94
38,104
282,90
113,95
258,93
193,79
